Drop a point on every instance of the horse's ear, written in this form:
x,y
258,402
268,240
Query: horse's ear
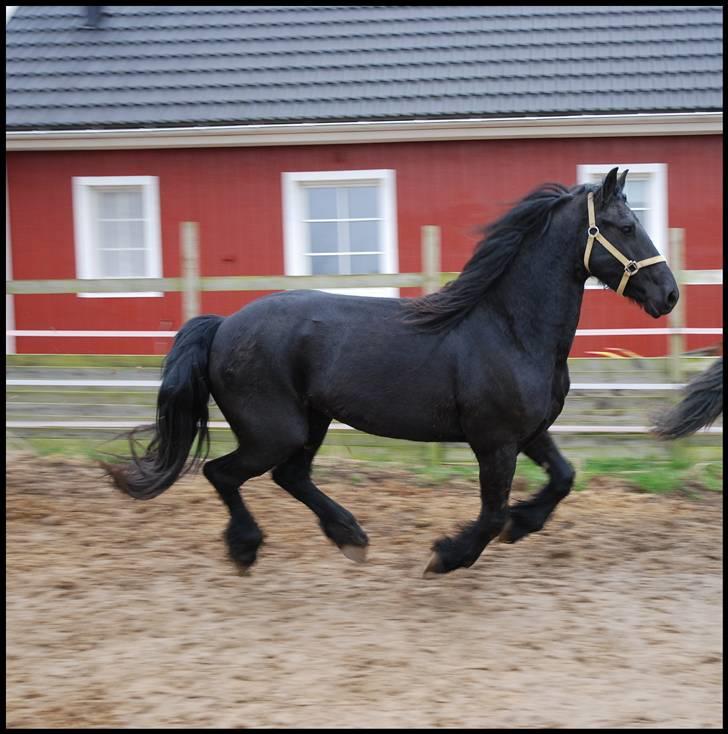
x,y
609,186
621,180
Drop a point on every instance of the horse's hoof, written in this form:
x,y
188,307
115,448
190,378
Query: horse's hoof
x,y
434,567
243,561
505,534
242,568
356,553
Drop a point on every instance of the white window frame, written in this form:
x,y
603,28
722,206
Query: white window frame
x,y
656,175
294,213
83,187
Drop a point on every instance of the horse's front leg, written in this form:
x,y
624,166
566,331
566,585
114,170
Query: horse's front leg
x,y
496,474
530,515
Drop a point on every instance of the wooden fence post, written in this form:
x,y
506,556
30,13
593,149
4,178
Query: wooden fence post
x,y
676,319
430,284
190,252
430,258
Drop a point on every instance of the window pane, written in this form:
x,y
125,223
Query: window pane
x,y
323,236
363,236
132,263
108,263
121,234
120,204
363,264
637,193
321,203
108,235
135,231
363,201
325,265
106,204
122,264
642,216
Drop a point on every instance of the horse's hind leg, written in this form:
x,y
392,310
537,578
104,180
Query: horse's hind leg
x,y
294,475
530,515
243,536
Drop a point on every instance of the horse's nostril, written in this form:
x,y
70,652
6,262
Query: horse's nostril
x,y
672,298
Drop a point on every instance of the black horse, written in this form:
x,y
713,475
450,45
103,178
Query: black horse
x,y
483,360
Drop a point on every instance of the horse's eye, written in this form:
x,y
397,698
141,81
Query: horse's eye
x,y
628,229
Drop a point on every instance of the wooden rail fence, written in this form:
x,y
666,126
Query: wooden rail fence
x,y
77,396
191,284
54,402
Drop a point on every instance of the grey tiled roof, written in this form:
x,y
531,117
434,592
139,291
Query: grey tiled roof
x,y
158,66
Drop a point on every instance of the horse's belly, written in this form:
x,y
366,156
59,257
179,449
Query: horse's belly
x,y
403,427
407,414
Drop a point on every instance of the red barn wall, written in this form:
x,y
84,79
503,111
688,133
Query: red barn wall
x,y
235,195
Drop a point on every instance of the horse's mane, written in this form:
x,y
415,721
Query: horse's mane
x,y
501,242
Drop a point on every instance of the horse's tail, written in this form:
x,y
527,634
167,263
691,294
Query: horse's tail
x,y
701,405
182,414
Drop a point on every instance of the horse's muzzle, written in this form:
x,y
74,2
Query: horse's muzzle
x,y
662,305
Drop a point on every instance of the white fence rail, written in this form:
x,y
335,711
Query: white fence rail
x,y
168,334
128,425
32,382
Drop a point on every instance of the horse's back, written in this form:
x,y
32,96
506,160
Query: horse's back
x,y
297,316
287,337
352,358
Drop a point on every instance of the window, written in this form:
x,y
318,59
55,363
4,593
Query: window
x,y
117,229
646,191
341,223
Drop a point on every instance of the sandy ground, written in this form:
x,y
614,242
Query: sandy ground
x,y
128,614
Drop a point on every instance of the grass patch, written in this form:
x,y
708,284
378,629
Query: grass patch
x,y
651,473
655,473
432,475
708,474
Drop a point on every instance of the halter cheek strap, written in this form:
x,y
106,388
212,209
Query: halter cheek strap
x,y
630,266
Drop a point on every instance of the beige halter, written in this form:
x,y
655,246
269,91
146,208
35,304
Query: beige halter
x,y
630,266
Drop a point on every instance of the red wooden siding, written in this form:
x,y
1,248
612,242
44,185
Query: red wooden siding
x,y
235,195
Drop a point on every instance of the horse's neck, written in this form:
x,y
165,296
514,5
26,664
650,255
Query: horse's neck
x,y
539,299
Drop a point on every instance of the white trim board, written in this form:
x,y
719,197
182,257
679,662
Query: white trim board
x,y
387,131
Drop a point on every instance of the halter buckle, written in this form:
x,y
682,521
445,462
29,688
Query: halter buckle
x,y
631,267
593,231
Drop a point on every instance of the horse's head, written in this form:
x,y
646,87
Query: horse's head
x,y
621,254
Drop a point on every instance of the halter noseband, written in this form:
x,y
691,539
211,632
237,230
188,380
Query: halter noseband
x,y
630,266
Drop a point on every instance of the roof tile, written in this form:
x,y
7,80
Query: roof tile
x,y
198,65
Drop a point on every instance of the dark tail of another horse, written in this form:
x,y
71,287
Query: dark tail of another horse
x,y
701,405
182,415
